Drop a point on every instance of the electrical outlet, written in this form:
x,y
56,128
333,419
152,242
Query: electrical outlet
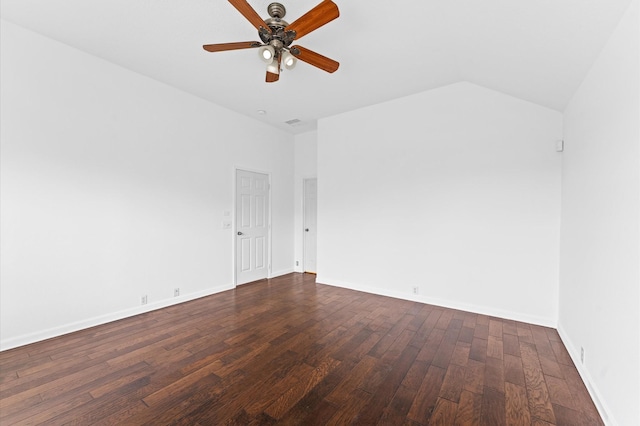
x,y
143,300
176,292
416,290
297,263
581,355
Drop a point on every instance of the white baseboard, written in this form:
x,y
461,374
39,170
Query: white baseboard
x,y
14,342
451,304
601,406
26,339
281,272
595,394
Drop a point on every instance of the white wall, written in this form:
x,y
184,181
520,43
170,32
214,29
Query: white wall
x,y
306,166
600,277
115,186
455,190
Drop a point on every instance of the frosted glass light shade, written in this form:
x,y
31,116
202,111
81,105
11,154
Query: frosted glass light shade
x,y
267,53
288,60
273,68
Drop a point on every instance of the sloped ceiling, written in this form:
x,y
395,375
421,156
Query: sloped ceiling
x,y
538,50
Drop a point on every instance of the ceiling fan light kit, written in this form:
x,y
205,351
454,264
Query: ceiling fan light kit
x,y
277,36
288,60
267,53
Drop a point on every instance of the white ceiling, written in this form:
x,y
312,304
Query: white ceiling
x,y
537,50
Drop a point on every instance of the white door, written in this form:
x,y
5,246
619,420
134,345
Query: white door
x,y
252,226
310,220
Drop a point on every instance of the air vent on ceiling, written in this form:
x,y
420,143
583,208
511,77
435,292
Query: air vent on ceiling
x,y
294,123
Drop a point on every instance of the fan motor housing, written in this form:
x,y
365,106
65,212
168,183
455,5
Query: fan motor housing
x,y
278,37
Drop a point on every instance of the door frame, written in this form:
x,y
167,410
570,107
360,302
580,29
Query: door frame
x,y
235,225
304,217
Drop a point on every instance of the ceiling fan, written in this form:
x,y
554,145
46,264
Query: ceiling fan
x,y
277,36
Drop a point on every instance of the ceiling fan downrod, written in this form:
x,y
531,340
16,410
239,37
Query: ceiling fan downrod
x,y
276,10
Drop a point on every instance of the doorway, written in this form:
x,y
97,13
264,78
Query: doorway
x,y
310,213
252,226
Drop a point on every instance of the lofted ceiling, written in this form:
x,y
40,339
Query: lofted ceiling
x,y
538,50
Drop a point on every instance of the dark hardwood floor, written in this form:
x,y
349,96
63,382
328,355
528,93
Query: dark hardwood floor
x,y
288,351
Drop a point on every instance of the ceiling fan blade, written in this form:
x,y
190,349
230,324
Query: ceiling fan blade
x,y
248,12
315,59
221,47
323,13
272,78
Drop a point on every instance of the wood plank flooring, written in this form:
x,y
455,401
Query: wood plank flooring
x,y
289,351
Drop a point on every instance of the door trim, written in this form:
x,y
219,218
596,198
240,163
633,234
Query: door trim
x,y
235,225
304,224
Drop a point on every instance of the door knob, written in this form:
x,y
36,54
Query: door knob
x,y
240,233
306,230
